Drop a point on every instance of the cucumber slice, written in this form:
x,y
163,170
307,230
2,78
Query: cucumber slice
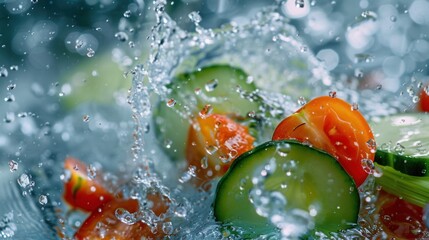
x,y
403,143
315,181
214,85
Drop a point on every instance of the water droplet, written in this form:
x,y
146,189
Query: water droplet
x,y
125,216
43,199
24,180
167,228
90,52
11,87
127,14
299,3
14,68
211,149
13,165
368,166
91,171
333,94
121,36
204,162
211,85
195,17
206,111
393,18
171,102
371,145
399,149
302,101
3,72
86,118
78,44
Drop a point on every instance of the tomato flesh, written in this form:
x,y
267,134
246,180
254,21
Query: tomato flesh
x,y
423,104
214,142
332,125
400,219
80,191
103,224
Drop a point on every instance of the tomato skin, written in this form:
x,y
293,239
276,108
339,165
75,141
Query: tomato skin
x,y
423,104
331,124
103,224
400,219
80,191
227,138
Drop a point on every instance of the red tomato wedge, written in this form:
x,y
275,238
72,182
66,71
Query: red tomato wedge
x,y
400,219
80,191
331,124
423,104
103,224
214,142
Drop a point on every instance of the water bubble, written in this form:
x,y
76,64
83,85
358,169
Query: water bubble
x,y
91,171
171,102
195,17
3,72
24,180
333,94
299,3
368,166
125,216
393,18
78,44
371,145
378,87
85,118
211,85
206,111
10,117
34,1
13,165
127,14
131,44
14,68
11,87
180,211
355,106
43,199
121,36
167,228
302,101
399,149
426,89
204,162
90,52
416,99
211,149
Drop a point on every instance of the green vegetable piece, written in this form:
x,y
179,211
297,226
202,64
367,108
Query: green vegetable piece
x,y
307,178
403,143
213,88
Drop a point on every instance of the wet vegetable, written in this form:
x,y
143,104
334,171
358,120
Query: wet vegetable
x,y
338,128
81,191
212,89
400,219
403,143
214,142
423,104
286,176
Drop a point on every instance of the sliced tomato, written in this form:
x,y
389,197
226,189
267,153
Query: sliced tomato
x,y
214,142
103,223
400,219
423,104
333,125
80,191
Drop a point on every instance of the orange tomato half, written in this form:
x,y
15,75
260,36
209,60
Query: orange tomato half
x,y
214,142
333,125
103,224
80,191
